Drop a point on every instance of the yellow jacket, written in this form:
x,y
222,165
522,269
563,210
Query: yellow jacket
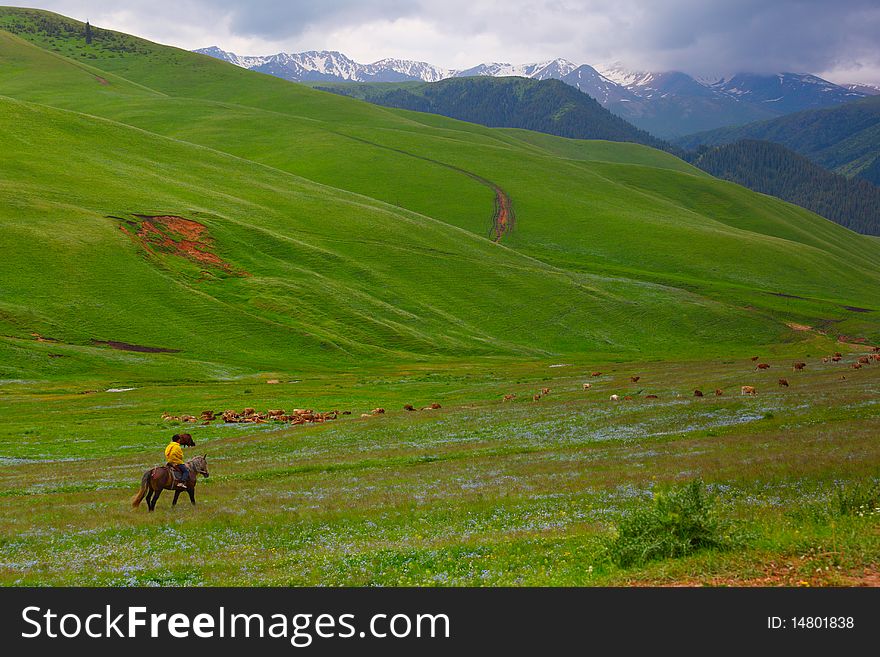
x,y
173,453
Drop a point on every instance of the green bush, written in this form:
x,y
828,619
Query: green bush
x,y
858,498
673,524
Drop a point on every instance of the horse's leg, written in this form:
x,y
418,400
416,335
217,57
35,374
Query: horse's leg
x,y
192,494
156,497
176,495
150,499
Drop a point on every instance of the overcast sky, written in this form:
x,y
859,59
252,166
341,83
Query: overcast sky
x,y
837,39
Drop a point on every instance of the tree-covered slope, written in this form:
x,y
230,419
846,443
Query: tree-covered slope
x,y
844,139
549,106
773,169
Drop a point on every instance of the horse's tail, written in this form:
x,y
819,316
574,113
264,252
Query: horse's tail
x,y
145,483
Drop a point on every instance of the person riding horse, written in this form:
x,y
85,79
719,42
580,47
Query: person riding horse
x,y
174,458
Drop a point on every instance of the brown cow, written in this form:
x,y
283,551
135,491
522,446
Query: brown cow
x,y
837,354
536,397
877,357
749,390
783,383
435,406
797,367
276,412
826,359
545,391
249,411
596,374
698,393
836,359
762,366
510,397
377,411
651,397
408,407
754,358
718,392
857,366
864,360
635,379
628,398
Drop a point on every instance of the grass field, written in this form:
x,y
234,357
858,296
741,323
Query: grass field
x,y
225,228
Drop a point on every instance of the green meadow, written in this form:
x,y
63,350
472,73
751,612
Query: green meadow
x,y
347,251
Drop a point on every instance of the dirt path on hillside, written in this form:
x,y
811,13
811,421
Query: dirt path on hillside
x,y
503,218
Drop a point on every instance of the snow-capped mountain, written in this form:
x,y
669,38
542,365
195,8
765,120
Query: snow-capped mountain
x,y
668,104
331,66
867,89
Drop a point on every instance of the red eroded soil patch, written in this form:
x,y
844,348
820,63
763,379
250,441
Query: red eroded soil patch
x,y
504,217
181,237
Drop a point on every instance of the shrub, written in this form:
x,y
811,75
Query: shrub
x,y
673,524
858,498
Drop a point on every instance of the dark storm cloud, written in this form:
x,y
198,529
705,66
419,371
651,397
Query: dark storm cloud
x,y
697,36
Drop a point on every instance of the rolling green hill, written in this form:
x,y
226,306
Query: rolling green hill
x,y
844,139
319,230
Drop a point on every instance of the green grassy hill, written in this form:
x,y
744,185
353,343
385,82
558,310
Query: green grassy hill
x,y
338,232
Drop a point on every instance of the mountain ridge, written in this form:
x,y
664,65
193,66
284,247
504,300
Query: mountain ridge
x,y
667,104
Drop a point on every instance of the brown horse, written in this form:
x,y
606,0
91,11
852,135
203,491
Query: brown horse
x,y
157,479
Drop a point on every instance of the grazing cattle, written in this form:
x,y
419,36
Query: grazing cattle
x,y
754,358
797,367
825,360
635,379
367,415
748,390
596,374
718,392
877,357
188,418
857,366
510,397
377,411
408,407
628,398
838,355
273,382
651,397
837,359
545,391
346,412
536,397
587,386
783,383
698,393
276,412
864,360
875,349
248,411
762,366
614,398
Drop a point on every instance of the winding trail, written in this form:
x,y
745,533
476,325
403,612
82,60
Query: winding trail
x,y
503,219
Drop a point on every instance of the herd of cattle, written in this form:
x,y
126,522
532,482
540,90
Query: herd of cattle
x,y
309,416
294,417
744,390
